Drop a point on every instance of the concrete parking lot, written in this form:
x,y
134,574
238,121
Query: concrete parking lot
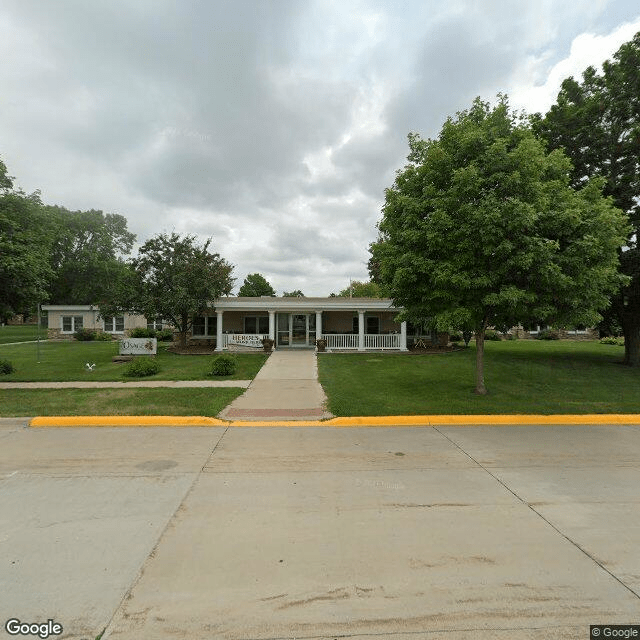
x,y
262,533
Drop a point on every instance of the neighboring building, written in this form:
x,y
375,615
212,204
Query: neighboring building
x,y
65,319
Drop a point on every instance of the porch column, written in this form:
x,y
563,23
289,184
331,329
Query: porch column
x,y
360,330
219,331
272,325
318,325
403,336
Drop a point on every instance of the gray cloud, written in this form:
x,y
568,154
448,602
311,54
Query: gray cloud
x,y
272,126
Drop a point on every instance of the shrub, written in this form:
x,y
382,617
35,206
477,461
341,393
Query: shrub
x,y
509,336
141,332
224,365
455,337
85,335
166,335
6,367
141,367
612,340
494,336
547,334
102,336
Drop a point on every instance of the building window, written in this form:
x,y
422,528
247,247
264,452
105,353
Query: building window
x,y
204,326
372,324
71,324
256,324
114,324
154,325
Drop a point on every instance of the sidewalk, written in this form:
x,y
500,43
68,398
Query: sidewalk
x,y
286,388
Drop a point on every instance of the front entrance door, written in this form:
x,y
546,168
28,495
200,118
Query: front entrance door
x,y
296,329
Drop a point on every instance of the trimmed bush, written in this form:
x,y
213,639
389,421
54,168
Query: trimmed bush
x,y
102,336
141,367
6,367
547,334
494,336
166,335
612,340
85,335
224,365
141,332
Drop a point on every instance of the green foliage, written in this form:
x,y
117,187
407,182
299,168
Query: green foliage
x,y
455,337
6,367
164,335
255,285
596,121
102,336
494,336
612,340
548,334
142,332
25,242
481,228
172,278
141,367
223,365
293,294
86,254
359,289
85,335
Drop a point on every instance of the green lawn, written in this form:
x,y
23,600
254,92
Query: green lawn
x,y
20,333
137,402
65,361
523,376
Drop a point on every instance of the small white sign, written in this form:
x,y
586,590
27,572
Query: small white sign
x,y
138,347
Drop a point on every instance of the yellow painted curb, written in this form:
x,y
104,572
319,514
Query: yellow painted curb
x,y
360,421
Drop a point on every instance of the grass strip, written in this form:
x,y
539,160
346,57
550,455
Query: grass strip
x,y
523,377
65,361
102,402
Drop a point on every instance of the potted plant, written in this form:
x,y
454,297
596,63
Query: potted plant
x,y
267,344
321,344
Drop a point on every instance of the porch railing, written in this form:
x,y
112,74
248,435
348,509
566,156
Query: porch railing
x,y
371,341
341,340
382,341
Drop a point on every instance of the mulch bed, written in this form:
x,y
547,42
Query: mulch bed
x,y
193,350
436,349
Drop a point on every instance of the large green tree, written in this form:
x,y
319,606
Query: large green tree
x,y
256,285
25,243
482,228
359,289
87,254
173,278
597,123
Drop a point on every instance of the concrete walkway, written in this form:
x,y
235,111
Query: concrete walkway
x,y
286,388
89,384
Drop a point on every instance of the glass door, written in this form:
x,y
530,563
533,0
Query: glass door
x,y
299,330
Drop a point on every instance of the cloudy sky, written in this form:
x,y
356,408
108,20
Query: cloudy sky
x,y
273,126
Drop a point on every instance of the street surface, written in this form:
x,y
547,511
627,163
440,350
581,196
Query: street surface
x,y
438,533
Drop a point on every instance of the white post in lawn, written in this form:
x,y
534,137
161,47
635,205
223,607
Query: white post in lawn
x,y
360,330
403,336
318,325
272,325
219,331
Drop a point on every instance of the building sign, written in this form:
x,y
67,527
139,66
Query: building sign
x,y
138,347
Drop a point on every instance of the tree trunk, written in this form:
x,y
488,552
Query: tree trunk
x,y
183,330
480,388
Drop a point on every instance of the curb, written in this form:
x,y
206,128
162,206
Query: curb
x,y
360,421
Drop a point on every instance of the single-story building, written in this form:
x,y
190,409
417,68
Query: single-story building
x,y
344,323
